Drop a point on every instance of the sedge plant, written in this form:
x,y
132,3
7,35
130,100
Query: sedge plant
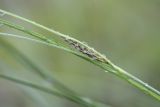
x,y
79,49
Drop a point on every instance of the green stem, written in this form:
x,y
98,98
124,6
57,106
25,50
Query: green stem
x,y
138,83
109,66
146,88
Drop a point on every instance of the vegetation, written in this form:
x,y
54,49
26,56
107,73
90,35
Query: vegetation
x,y
70,45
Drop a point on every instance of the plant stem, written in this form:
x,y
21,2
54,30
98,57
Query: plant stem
x,y
109,66
137,82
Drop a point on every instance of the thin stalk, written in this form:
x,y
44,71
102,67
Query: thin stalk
x,y
105,63
137,82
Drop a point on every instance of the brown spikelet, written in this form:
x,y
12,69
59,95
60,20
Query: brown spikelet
x,y
90,52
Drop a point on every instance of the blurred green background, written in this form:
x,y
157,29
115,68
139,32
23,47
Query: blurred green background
x,y
126,31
